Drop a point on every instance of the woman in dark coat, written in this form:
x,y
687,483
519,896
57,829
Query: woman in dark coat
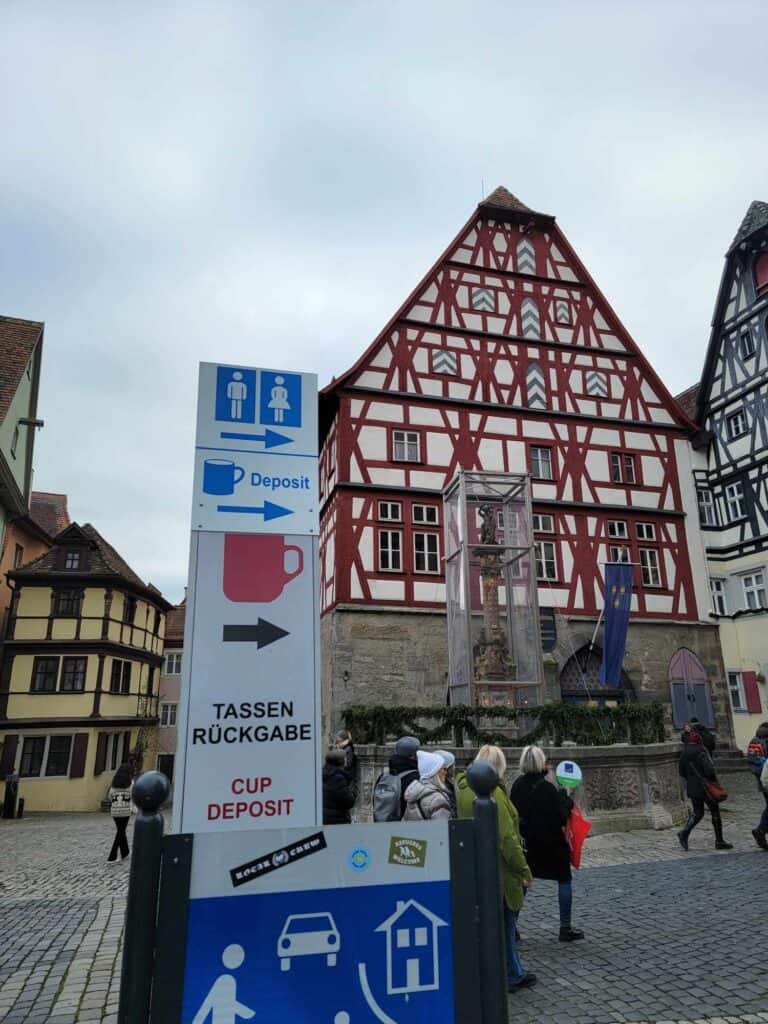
x,y
544,811
338,791
695,766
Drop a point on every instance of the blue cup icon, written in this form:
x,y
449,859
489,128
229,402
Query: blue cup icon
x,y
221,475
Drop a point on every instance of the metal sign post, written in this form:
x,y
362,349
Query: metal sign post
x,y
250,706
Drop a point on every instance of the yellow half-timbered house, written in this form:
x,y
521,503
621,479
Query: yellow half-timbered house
x,y
80,673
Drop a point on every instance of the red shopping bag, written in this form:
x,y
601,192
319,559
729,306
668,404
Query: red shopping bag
x,y
576,831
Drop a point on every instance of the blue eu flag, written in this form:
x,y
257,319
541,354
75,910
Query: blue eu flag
x,y
618,597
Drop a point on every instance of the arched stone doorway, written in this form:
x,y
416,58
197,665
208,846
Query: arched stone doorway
x,y
579,679
689,689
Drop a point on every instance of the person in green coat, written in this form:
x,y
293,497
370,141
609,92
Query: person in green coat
x,y
516,876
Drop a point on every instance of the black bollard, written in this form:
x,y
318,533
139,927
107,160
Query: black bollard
x,y
483,780
150,792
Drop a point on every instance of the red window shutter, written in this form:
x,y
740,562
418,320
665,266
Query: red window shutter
x,y
79,750
752,693
761,272
8,759
101,753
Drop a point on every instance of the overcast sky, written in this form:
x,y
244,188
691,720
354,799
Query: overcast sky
x,y
264,183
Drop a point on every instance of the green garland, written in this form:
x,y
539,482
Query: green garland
x,y
586,726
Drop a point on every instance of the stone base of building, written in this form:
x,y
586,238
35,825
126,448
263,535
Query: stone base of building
x,y
380,655
624,787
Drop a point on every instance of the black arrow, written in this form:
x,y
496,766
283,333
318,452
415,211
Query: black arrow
x,y
262,634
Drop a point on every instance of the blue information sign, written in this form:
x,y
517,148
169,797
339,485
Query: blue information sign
x,y
342,926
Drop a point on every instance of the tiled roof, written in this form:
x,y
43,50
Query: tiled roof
x,y
174,622
504,199
687,401
103,560
49,511
17,343
756,218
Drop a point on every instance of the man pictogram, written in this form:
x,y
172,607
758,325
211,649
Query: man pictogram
x,y
221,1002
237,392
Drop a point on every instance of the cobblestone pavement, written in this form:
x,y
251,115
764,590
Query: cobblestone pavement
x,y
671,937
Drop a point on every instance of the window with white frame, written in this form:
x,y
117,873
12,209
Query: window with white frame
x,y
546,560
618,553
719,603
737,424
541,463
46,756
707,509
167,715
117,751
754,590
617,529
543,523
426,556
390,550
426,514
646,531
172,666
736,690
406,446
623,468
734,501
746,343
649,566
391,511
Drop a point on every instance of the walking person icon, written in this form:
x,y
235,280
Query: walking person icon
x,y
237,392
278,399
221,1002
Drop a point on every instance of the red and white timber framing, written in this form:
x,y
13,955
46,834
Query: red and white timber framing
x,y
507,357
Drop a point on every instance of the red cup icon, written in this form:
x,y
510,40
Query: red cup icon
x,y
255,566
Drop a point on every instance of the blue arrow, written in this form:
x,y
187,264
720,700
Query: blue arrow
x,y
268,510
270,438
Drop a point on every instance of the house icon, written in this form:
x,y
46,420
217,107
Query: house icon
x,y
412,948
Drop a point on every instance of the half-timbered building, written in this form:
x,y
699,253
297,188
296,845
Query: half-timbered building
x,y
731,406
507,358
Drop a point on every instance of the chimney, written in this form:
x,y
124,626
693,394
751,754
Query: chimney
x,y
400,906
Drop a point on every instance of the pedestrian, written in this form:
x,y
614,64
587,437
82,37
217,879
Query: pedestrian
x,y
516,876
339,793
696,767
708,738
427,797
120,808
450,782
389,789
757,755
344,742
544,810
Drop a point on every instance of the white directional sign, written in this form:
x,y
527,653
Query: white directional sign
x,y
250,710
252,492
256,451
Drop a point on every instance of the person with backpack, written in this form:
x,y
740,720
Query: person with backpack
x,y
696,767
339,793
516,877
427,797
389,789
757,759
120,809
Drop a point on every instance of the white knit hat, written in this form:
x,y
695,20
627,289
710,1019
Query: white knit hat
x,y
429,764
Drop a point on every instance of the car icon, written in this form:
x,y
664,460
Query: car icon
x,y
308,935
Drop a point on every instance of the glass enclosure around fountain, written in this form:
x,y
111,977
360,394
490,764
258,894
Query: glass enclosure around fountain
x,y
494,648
